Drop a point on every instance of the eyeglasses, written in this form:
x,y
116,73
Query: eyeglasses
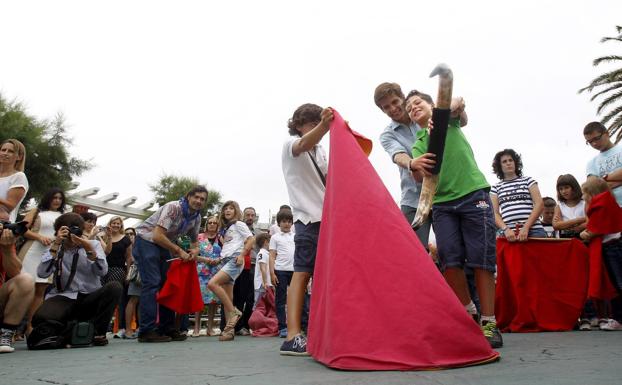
x,y
594,139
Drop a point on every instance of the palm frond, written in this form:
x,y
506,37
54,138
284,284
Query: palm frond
x,y
615,127
606,78
613,87
619,28
611,114
610,99
605,59
604,39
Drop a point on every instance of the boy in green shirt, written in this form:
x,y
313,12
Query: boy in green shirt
x,y
462,212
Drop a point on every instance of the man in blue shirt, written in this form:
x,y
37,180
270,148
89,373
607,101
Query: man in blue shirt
x,y
397,140
608,163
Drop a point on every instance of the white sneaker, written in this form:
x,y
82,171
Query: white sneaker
x,y
612,325
584,324
6,340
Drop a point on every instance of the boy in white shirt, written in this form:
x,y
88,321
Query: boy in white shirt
x,y
262,276
282,264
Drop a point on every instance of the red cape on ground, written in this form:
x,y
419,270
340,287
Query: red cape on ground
x,y
541,285
604,217
181,291
263,321
379,302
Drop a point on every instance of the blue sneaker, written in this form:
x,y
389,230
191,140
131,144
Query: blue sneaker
x,y
283,333
297,346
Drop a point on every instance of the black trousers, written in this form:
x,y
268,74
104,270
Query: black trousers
x,y
96,307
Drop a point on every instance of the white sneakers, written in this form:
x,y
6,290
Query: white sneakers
x,y
611,325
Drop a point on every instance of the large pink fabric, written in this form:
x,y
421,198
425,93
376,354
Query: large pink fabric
x,y
379,302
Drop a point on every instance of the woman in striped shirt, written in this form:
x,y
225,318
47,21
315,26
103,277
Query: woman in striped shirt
x,y
516,199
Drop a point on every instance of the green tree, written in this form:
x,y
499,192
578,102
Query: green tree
x,y
171,188
609,85
48,161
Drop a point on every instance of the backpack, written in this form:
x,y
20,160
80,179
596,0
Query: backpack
x,y
56,335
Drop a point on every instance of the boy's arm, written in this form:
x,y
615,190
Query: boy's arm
x,y
275,280
313,137
614,179
265,278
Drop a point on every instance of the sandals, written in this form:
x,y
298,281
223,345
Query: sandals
x,y
228,333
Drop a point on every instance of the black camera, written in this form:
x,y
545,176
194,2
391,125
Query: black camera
x,y
18,228
75,230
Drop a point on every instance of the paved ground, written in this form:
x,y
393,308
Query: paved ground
x,y
545,358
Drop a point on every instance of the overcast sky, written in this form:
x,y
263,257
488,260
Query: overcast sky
x,y
204,89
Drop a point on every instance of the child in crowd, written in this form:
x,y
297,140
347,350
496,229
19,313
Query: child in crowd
x,y
604,214
237,242
305,166
547,216
282,264
463,220
569,218
262,275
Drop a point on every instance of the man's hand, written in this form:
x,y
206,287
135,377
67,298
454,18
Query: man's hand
x,y
423,164
194,253
457,106
7,238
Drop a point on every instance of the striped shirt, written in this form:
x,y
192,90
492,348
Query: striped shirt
x,y
515,203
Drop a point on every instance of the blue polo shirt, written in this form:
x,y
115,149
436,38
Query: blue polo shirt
x,y
398,138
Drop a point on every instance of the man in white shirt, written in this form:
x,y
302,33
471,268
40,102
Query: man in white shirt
x,y
608,163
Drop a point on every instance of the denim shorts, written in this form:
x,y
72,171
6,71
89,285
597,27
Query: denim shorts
x,y
465,232
306,246
229,267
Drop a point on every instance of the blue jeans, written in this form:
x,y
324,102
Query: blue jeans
x,y
152,267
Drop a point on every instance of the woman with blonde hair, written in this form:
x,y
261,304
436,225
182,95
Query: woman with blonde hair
x,y
13,181
118,251
210,245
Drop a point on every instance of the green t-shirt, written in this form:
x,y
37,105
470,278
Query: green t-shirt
x,y
459,174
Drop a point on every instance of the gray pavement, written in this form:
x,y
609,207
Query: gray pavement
x,y
541,358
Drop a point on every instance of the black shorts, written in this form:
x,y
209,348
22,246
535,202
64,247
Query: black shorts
x,y
306,246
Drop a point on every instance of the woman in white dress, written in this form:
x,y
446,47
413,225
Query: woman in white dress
x,y
40,236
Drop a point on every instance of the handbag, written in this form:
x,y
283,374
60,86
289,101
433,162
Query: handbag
x,y
21,240
133,275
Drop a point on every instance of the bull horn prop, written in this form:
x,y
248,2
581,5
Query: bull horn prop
x,y
440,117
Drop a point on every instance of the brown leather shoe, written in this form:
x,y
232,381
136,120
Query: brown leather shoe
x,y
153,336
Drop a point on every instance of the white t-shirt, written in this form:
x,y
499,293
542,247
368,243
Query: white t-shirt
x,y
10,182
283,243
605,163
263,258
569,213
235,236
304,186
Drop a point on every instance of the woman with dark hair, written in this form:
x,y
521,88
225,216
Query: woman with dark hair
x,y
516,200
40,236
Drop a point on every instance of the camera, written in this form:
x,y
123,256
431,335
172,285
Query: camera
x,y
75,230
18,228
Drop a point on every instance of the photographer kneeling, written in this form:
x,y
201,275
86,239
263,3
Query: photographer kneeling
x,y
16,292
77,294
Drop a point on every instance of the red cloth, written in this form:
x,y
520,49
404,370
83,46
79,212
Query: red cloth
x,y
263,321
604,217
181,291
379,302
541,285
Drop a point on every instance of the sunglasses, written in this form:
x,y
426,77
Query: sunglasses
x,y
212,223
594,139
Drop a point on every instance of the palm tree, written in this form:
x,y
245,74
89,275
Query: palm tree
x,y
609,84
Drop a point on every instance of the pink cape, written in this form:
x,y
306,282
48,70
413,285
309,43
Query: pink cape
x,y
263,321
379,302
181,292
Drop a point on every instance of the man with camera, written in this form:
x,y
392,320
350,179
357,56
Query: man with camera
x,y
17,290
153,248
77,265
